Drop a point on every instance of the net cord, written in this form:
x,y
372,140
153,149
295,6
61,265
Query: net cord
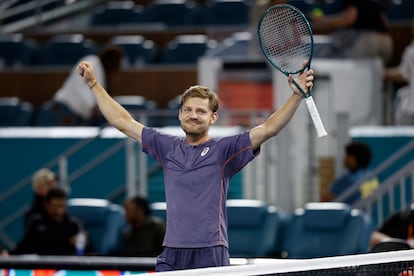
x,y
273,266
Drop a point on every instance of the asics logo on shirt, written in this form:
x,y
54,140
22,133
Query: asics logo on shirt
x,y
205,150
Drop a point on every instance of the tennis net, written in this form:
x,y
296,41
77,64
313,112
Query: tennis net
x,y
398,263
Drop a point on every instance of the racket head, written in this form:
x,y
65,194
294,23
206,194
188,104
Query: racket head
x,y
285,38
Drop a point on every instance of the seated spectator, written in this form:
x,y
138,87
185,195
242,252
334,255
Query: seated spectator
x,y
359,30
42,181
144,235
400,225
356,160
403,75
76,96
52,232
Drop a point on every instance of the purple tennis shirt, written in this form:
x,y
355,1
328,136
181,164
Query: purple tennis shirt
x,y
196,180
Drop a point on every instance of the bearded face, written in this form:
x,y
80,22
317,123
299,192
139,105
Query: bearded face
x,y
196,117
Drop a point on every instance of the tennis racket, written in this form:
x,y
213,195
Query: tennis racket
x,y
286,39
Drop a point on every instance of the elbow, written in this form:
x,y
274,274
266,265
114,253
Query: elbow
x,y
120,123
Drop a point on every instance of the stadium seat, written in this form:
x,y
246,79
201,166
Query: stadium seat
x,y
14,112
104,222
331,7
225,12
138,106
171,116
65,50
401,11
187,49
324,229
237,45
116,13
304,6
170,12
159,210
254,228
138,50
15,50
50,115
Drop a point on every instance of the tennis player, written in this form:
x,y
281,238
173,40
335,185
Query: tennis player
x,y
197,168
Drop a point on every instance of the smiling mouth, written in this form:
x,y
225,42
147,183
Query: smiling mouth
x,y
193,122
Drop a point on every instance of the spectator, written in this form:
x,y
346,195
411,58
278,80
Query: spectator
x,y
404,74
52,232
356,160
42,181
74,95
400,225
144,236
359,30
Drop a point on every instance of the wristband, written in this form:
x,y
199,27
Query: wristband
x,y
93,84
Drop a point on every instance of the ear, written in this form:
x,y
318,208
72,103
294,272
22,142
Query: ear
x,y
214,118
179,114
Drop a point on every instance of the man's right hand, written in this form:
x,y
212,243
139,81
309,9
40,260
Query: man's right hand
x,y
85,70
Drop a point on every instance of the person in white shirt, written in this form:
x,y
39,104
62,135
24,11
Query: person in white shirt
x,y
74,94
404,74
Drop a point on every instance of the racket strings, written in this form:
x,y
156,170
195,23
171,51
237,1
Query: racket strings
x,y
285,38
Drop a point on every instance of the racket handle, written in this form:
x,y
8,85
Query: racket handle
x,y
317,122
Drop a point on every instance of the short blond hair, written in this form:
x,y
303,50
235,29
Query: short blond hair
x,y
42,177
199,91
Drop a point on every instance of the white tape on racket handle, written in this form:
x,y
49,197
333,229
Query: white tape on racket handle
x,y
317,122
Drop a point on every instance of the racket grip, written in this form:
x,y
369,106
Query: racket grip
x,y
317,122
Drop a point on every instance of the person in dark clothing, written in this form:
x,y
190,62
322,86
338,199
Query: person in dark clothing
x,y
356,160
144,235
52,232
400,225
42,181
359,30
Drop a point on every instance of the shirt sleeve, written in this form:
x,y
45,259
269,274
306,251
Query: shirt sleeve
x,y
237,151
156,144
407,62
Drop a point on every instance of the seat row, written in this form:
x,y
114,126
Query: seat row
x,y
66,50
173,13
17,113
215,12
319,229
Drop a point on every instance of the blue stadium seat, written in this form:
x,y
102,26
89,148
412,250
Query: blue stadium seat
x,y
15,50
51,115
138,50
159,210
401,11
65,50
171,116
14,112
237,45
139,106
324,229
187,49
170,12
104,222
254,228
331,6
116,13
225,12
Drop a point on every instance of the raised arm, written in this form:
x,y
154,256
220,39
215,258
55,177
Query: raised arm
x,y
113,112
279,119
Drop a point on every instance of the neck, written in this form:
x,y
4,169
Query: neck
x,y
194,140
